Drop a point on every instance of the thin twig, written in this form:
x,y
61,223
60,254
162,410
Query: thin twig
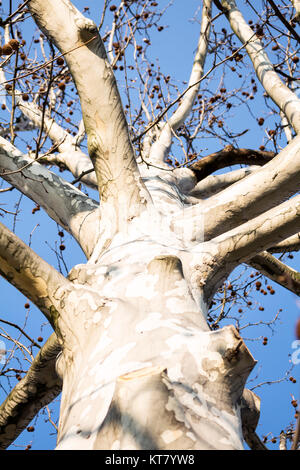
x,y
284,21
21,330
154,123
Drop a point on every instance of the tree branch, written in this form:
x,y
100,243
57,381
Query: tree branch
x,y
77,162
243,242
296,5
162,145
250,411
30,274
109,143
222,254
282,96
284,21
56,133
65,204
229,156
37,389
213,184
277,271
258,192
290,244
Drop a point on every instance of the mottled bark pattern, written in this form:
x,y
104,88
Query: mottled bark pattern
x,y
142,370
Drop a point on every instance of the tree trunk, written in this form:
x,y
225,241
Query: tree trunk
x,y
140,367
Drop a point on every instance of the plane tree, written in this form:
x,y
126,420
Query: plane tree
x,y
139,358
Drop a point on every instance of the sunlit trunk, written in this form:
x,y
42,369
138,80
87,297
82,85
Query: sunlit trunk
x,y
141,369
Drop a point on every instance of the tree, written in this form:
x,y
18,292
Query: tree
x,y
140,361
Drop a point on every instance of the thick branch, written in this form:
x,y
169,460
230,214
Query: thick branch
x,y
78,163
37,389
296,5
57,134
282,96
250,411
109,143
65,204
213,184
30,274
277,271
290,244
267,187
69,154
161,147
229,156
222,254
245,241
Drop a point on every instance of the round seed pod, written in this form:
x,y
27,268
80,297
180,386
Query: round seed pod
x,y
62,86
7,49
14,43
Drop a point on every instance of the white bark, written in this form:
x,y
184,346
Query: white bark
x,y
214,260
286,100
282,441
158,386
78,163
70,155
56,133
279,272
215,183
65,204
261,232
290,244
265,188
30,274
296,5
117,174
